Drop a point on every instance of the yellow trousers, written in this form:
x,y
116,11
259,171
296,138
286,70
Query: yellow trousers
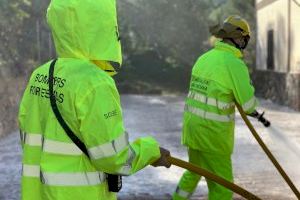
x,y
217,164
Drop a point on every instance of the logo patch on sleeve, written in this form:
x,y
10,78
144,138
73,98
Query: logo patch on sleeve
x,y
111,114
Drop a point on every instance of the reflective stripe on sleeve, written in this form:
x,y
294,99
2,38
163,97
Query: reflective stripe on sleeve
x,y
210,101
51,146
183,193
31,170
73,179
110,148
249,104
209,115
125,170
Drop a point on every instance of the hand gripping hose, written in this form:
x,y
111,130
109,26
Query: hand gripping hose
x,y
268,152
202,172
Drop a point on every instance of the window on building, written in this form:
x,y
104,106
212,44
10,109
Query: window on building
x,y
270,53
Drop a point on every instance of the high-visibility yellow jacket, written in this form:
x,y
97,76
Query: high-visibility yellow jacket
x,y
219,78
54,168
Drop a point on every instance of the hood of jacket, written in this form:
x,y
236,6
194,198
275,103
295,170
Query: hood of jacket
x,y
86,29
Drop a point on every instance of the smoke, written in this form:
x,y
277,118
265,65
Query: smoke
x,y
289,146
288,153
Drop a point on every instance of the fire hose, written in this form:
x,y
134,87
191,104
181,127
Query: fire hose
x,y
229,185
267,151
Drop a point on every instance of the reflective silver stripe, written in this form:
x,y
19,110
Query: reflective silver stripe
x,y
73,179
249,104
125,170
110,148
51,146
64,179
32,139
210,101
66,148
183,193
209,115
31,170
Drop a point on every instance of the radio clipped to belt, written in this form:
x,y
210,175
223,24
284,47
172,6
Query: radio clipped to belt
x,y
114,181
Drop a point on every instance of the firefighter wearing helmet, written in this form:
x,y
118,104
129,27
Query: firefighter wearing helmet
x,y
219,79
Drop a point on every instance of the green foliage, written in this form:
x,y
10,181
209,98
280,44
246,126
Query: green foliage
x,y
14,12
161,38
21,22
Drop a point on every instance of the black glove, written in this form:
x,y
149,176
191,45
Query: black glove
x,y
260,118
163,160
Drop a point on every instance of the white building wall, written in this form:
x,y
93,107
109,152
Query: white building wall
x,y
273,16
295,36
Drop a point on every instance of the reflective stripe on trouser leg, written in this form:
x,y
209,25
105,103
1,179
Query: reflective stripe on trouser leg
x,y
187,185
180,194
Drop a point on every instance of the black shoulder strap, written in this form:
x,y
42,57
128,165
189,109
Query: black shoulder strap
x,y
114,181
59,117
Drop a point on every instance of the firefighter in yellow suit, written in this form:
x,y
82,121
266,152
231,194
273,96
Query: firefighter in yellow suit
x,y
219,78
87,42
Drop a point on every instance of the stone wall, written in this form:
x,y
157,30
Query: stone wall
x,y
279,87
293,90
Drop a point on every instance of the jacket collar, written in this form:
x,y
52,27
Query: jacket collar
x,y
228,48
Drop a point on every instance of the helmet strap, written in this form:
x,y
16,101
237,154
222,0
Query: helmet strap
x,y
236,44
246,40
